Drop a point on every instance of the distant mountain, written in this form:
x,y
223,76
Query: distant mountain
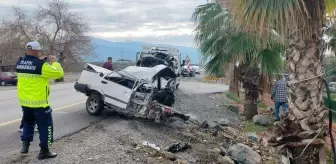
x,y
105,48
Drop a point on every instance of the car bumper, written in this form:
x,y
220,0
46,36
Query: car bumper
x,y
185,73
11,81
81,87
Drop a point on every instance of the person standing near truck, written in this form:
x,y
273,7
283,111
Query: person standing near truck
x,y
108,65
33,92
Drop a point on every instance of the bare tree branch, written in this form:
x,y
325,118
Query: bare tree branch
x,y
60,31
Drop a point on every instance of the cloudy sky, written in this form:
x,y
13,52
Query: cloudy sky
x,y
153,21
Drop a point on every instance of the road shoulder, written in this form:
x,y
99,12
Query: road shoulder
x,y
121,140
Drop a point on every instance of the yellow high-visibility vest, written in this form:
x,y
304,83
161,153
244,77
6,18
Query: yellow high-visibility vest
x,y
33,81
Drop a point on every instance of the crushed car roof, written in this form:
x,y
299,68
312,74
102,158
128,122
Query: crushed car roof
x,y
149,73
134,72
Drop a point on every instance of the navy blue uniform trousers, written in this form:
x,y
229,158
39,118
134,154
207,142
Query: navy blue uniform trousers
x,y
42,117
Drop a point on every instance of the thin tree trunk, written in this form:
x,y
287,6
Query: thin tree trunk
x,y
233,75
267,86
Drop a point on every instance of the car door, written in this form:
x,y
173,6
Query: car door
x,y
115,94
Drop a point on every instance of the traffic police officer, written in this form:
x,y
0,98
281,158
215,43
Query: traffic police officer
x,y
33,92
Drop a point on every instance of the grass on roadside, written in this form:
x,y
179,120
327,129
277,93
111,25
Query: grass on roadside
x,y
333,96
233,97
329,156
249,126
262,105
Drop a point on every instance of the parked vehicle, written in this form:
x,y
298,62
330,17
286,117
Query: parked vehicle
x,y
197,69
8,78
136,91
185,72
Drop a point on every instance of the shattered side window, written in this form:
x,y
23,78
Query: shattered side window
x,y
121,81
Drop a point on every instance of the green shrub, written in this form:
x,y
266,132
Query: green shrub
x,y
261,105
233,97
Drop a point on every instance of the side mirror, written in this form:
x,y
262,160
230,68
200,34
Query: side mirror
x,y
101,74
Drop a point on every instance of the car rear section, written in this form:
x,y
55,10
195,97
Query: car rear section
x,y
8,78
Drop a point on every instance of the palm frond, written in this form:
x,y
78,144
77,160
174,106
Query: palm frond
x,y
216,64
263,16
210,19
243,45
220,44
270,62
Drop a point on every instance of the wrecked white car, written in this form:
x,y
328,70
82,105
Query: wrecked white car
x,y
135,91
161,56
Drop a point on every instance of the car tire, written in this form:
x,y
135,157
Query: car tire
x,y
3,83
94,104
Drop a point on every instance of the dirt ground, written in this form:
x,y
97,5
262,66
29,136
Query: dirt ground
x,y
118,139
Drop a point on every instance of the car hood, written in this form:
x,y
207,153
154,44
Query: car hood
x,y
148,73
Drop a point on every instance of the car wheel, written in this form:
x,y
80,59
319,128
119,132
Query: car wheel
x,y
3,83
94,104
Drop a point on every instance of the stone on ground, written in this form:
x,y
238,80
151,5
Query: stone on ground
x,y
244,154
252,136
225,160
261,120
270,108
224,122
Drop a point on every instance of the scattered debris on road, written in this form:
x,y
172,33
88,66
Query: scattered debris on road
x,y
145,143
178,147
214,136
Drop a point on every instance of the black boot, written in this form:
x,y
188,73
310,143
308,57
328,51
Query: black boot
x,y
25,147
45,153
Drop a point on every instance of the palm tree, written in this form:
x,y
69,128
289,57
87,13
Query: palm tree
x,y
300,25
221,46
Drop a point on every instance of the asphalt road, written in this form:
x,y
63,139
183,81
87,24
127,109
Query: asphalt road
x,y
69,112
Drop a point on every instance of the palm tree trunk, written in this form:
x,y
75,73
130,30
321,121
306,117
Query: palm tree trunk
x,y
250,79
306,111
303,124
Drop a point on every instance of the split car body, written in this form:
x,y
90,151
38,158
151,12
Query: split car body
x,y
137,91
